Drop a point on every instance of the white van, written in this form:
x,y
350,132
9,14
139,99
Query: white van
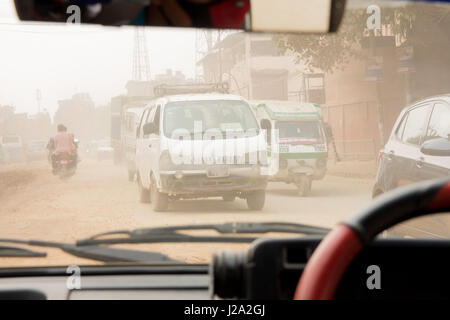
x,y
200,145
13,148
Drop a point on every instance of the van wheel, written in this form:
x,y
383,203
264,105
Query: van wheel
x,y
159,200
256,200
144,194
131,175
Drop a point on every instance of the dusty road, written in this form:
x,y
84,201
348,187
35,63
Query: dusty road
x,y
36,205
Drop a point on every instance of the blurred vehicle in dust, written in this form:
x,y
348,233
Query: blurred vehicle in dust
x,y
100,150
12,146
3,154
36,150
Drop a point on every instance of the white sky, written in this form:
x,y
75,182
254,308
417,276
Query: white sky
x,y
62,60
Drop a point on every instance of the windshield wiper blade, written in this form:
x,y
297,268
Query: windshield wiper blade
x,y
171,234
18,252
92,252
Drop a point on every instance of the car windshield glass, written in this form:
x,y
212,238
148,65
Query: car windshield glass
x,y
331,123
203,116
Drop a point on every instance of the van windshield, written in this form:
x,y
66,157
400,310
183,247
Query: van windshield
x,y
299,129
208,116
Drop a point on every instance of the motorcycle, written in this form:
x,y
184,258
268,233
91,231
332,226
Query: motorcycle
x,y
66,164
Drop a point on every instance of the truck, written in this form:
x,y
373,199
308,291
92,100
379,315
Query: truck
x,y
125,113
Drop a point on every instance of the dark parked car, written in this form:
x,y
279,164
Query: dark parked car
x,y
419,146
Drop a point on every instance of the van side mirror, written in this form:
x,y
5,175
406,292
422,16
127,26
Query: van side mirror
x,y
436,147
150,128
267,126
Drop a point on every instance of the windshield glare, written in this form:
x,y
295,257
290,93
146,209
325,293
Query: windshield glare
x,y
86,122
203,116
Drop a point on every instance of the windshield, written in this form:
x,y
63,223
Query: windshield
x,y
373,100
299,129
220,115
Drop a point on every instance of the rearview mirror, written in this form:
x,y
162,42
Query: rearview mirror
x,y
297,16
436,147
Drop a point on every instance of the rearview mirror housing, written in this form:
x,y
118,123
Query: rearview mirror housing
x,y
291,16
436,147
296,16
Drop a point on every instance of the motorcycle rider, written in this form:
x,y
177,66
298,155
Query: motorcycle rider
x,y
63,142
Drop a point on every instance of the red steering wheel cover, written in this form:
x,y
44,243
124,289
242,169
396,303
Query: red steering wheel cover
x,y
442,199
337,250
328,263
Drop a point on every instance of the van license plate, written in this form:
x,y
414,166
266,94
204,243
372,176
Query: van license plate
x,y
284,148
218,172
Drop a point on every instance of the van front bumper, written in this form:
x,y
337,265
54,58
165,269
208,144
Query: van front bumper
x,y
198,183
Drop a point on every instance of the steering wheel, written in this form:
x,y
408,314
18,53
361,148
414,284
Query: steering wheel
x,y
339,248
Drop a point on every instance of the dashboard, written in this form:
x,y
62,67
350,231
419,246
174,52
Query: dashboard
x,y
386,269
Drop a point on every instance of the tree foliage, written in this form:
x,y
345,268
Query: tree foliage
x,y
333,51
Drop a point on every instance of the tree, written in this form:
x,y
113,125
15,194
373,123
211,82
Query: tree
x,y
423,27
333,51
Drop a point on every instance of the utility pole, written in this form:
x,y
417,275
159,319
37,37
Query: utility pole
x,y
141,63
203,46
